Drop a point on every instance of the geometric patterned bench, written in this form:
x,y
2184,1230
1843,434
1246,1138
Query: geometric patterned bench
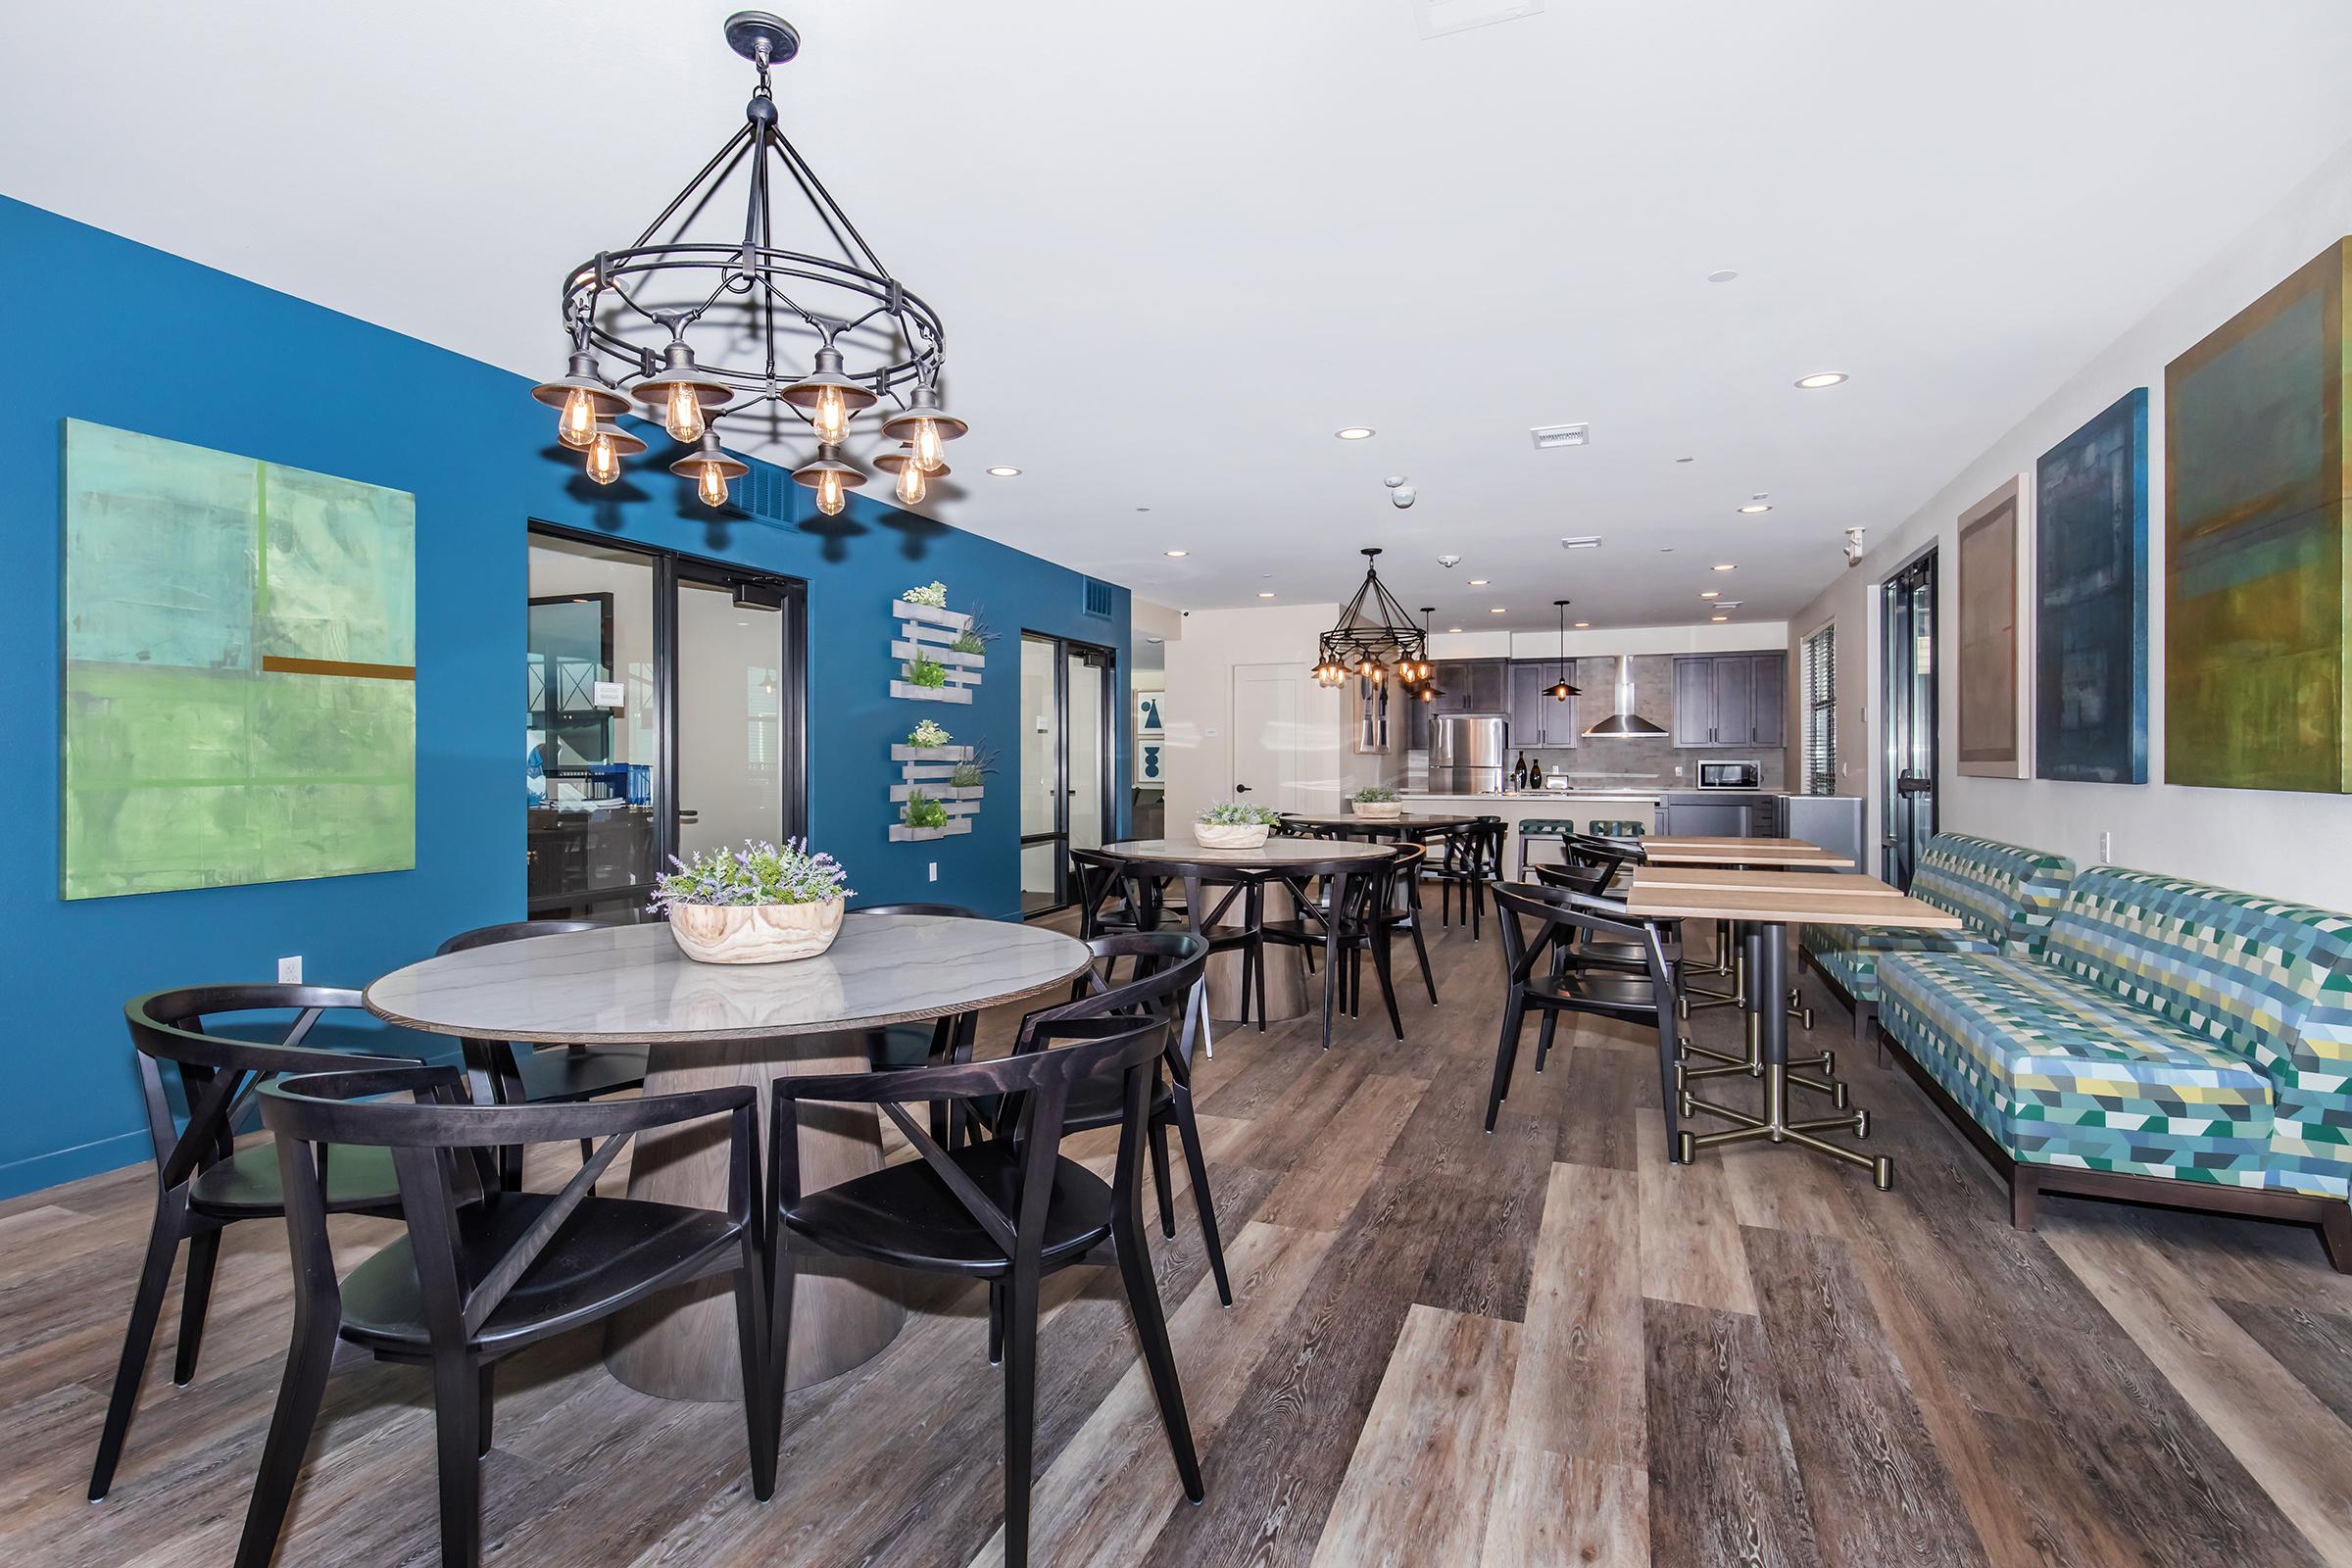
x,y
2004,894
2171,1043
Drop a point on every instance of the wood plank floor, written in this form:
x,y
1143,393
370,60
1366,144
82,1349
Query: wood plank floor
x,y
1545,1345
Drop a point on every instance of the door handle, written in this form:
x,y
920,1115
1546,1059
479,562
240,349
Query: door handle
x,y
688,815
1240,789
1914,784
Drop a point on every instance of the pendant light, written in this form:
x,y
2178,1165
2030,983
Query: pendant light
x,y
831,478
710,469
582,402
1559,690
913,479
828,397
607,448
925,426
684,398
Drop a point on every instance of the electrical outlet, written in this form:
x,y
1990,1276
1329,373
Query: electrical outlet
x,y
1677,771
2106,848
289,970
934,870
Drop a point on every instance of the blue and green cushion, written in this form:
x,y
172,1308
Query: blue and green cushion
x,y
2005,894
2166,1028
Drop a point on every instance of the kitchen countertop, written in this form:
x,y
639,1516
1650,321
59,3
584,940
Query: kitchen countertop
x,y
1651,796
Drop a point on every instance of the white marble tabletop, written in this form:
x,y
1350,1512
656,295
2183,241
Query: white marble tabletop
x,y
630,984
1274,852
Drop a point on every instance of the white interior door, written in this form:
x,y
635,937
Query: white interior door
x,y
1271,739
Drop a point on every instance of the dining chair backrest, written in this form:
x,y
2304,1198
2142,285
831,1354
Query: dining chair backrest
x,y
1399,882
1036,1084
485,936
1573,878
1105,900
1559,915
1166,966
1601,853
443,1148
219,1073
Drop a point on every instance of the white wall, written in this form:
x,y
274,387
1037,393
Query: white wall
x,y
2283,844
1702,637
1199,705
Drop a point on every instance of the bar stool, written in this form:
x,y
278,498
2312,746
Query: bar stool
x,y
1614,828
1540,827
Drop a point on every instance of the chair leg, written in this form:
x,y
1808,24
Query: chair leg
x,y
751,1345
146,1306
1421,953
485,1401
1506,1051
1196,1163
995,1322
1544,1034
456,1416
779,1333
1020,1413
204,1252
1160,1181
1383,969
1668,1096
1257,952
299,1393
1151,1334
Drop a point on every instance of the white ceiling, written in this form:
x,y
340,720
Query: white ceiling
x,y
1177,246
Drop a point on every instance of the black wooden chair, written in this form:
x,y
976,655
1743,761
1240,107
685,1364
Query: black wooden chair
x,y
1473,859
1366,923
1539,923
1210,892
1007,1209
204,1182
1164,984
1106,901
474,1282
517,1073
897,1046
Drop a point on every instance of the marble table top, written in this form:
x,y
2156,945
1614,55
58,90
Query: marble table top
x,y
1274,852
630,984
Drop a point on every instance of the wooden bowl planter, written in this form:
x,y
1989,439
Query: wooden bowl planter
x,y
1377,810
755,933
1231,835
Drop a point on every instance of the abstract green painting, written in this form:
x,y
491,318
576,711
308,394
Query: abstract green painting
x,y
2256,544
240,651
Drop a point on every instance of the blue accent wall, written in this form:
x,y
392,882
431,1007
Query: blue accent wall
x,y
133,337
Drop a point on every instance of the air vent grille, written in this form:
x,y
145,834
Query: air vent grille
x,y
1097,598
1548,436
1581,541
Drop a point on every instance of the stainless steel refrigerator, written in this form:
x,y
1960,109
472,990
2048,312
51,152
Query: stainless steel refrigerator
x,y
1465,753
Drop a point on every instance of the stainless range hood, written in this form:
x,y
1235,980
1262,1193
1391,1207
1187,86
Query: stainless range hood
x,y
1624,723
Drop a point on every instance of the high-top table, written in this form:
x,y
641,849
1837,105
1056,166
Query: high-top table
x,y
1197,866
1761,904
712,1024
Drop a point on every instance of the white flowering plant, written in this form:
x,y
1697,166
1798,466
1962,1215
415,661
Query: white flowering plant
x,y
1231,813
933,594
928,733
756,873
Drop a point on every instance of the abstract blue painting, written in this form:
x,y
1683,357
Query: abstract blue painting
x,y
2091,601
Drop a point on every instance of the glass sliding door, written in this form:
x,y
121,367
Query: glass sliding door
x,y
1067,689
1908,775
665,717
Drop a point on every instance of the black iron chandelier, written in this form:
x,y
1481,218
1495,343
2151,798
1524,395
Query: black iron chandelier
x,y
1374,638
796,338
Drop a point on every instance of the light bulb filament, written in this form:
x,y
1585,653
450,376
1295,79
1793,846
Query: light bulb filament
x,y
911,485
927,453
682,414
604,460
830,497
577,425
713,486
831,417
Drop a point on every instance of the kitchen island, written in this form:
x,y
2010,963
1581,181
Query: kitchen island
x,y
1581,807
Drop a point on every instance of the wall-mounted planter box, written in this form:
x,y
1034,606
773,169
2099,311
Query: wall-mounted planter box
x,y
955,621
928,768
930,694
927,632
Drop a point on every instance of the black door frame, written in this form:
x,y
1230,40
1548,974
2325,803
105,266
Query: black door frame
x,y
670,568
1902,720
1064,786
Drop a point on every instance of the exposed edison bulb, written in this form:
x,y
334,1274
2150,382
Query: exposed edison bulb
x,y
831,417
604,460
830,497
927,446
912,487
713,486
576,426
682,414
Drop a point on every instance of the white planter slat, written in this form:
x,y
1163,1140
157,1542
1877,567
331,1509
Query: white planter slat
x,y
902,752
901,833
938,654
953,619
931,694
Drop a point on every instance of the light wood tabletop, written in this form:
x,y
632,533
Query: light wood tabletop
x,y
1811,884
1775,897
1790,853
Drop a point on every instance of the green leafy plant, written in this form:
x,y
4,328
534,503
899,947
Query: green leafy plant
x,y
924,812
974,768
935,595
1374,795
928,733
925,671
975,636
756,873
1231,814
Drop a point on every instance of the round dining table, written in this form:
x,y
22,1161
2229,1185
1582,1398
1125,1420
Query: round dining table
x,y
709,1024
1197,865
1404,826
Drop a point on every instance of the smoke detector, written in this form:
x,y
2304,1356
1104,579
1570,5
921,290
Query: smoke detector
x,y
1548,436
1449,561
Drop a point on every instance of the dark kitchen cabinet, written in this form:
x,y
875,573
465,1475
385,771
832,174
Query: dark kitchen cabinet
x,y
1539,718
1730,700
1468,686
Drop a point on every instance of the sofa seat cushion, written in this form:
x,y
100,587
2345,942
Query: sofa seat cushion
x,y
2064,1072
1850,955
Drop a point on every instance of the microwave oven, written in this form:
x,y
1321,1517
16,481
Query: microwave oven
x,y
1730,775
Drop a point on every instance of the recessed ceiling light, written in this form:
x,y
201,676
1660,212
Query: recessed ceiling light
x,y
1820,379
1478,582
1719,618
1176,555
1583,624
1710,594
1265,596
1005,473
1497,610
1757,506
1354,433
1453,628
1725,566
1724,277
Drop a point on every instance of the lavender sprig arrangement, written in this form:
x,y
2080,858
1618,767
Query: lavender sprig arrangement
x,y
756,873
